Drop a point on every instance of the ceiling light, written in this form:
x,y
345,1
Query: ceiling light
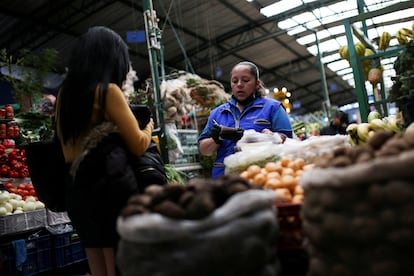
x,y
280,7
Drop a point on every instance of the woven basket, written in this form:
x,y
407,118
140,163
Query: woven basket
x,y
359,220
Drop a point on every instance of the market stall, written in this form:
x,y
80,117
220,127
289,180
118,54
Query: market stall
x,y
33,239
324,205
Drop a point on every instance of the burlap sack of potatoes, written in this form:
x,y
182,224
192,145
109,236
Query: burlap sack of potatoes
x,y
359,219
236,239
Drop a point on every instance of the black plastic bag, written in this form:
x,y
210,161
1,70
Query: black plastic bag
x,y
149,168
47,172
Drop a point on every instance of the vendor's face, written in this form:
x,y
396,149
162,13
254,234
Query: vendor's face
x,y
243,82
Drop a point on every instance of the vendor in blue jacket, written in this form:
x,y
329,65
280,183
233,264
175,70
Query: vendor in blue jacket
x,y
247,109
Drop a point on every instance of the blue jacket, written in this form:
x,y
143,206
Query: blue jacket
x,y
260,114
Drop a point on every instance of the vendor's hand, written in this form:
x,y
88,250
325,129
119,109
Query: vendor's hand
x,y
267,131
234,134
215,134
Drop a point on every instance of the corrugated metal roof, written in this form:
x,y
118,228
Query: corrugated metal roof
x,y
213,34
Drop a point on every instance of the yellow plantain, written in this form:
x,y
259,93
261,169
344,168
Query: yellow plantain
x,y
362,130
376,124
343,52
407,32
352,128
353,141
401,37
360,49
368,52
384,41
391,124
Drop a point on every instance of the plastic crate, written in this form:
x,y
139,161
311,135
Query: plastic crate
x,y
290,226
68,249
18,223
38,257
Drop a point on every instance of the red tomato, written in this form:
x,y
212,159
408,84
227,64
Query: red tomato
x,y
9,186
29,187
13,190
24,192
21,186
32,192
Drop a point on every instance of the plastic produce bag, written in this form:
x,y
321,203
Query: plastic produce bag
x,y
252,136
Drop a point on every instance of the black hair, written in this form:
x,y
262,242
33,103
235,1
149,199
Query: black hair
x,y
342,116
253,68
255,72
99,57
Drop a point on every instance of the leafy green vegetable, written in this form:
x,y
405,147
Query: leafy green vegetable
x,y
174,175
34,127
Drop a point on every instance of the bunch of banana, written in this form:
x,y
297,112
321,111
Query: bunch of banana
x,y
360,49
359,133
403,34
344,53
366,63
384,41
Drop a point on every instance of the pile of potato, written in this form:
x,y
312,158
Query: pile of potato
x,y
197,199
381,143
281,176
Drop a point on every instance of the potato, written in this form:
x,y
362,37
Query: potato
x,y
260,179
283,195
298,198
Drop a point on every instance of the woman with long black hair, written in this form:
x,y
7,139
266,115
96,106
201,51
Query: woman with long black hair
x,y
99,179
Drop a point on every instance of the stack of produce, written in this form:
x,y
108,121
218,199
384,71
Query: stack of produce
x,y
13,163
372,68
260,154
281,176
12,203
181,94
359,133
358,208
222,227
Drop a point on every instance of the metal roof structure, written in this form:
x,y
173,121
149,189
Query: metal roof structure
x,y
209,37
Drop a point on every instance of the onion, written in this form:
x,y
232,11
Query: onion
x,y
30,198
8,206
39,205
14,203
4,196
3,211
29,206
